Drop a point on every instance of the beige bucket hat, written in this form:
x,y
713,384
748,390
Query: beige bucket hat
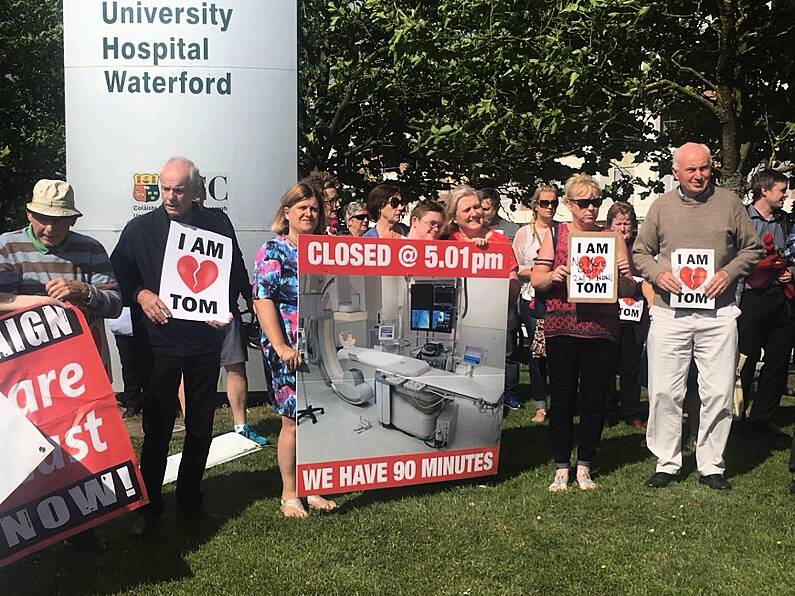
x,y
54,198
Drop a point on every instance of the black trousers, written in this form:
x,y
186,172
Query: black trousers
x,y
585,365
160,410
625,402
538,366
512,340
134,367
765,323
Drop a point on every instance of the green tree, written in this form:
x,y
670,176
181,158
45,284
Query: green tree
x,y
32,142
716,71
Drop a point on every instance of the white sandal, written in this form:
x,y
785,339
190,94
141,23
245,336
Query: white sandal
x,y
319,503
295,504
561,481
584,480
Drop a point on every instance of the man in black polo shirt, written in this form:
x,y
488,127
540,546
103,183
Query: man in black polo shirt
x,y
765,322
178,348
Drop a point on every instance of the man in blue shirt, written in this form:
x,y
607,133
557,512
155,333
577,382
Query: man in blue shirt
x,y
765,322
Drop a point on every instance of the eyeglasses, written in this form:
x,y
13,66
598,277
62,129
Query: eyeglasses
x,y
585,203
360,217
545,204
395,201
432,224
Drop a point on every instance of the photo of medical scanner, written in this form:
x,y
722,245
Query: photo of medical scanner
x,y
420,400
427,363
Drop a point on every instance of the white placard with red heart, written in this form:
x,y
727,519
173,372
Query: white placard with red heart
x,y
593,268
693,267
195,281
630,309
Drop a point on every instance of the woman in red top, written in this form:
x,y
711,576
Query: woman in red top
x,y
464,222
581,340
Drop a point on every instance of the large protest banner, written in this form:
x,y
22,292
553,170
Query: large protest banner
x,y
404,342
150,79
51,373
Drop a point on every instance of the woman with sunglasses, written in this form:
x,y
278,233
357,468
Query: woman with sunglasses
x,y
580,339
526,245
386,207
356,218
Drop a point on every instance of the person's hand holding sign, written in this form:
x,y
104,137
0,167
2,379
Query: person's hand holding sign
x,y
666,281
623,266
717,285
289,356
154,308
559,274
68,290
220,324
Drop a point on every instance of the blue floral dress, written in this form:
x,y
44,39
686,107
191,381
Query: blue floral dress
x,y
276,278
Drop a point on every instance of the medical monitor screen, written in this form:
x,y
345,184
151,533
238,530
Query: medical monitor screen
x,y
433,306
420,319
473,355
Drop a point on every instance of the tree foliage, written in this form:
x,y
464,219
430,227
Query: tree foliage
x,y
717,71
486,91
500,91
31,101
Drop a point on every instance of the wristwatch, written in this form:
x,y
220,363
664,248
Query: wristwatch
x,y
90,293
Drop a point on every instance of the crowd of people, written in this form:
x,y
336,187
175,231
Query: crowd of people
x,y
575,352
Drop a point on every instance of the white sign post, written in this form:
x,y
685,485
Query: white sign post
x,y
213,81
593,267
194,283
694,268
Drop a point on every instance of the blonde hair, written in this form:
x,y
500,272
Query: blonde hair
x,y
582,181
456,194
294,195
537,194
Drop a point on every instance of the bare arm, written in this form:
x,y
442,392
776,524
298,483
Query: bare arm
x,y
543,276
10,302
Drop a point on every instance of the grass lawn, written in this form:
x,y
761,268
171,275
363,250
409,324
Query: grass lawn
x,y
504,535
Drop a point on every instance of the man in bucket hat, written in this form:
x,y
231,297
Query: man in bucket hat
x,y
47,260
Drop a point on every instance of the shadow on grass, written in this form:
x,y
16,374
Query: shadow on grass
x,y
745,452
522,448
159,557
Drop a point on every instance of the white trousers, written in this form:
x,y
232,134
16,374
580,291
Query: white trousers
x,y
675,338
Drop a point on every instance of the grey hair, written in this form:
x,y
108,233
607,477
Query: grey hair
x,y
678,150
194,180
353,207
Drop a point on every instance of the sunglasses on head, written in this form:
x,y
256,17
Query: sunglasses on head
x,y
360,216
395,201
585,203
545,204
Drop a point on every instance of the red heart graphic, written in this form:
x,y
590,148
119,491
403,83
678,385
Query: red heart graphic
x,y
693,278
197,277
629,301
591,268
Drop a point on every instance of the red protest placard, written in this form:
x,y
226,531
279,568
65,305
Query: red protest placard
x,y
51,372
346,255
